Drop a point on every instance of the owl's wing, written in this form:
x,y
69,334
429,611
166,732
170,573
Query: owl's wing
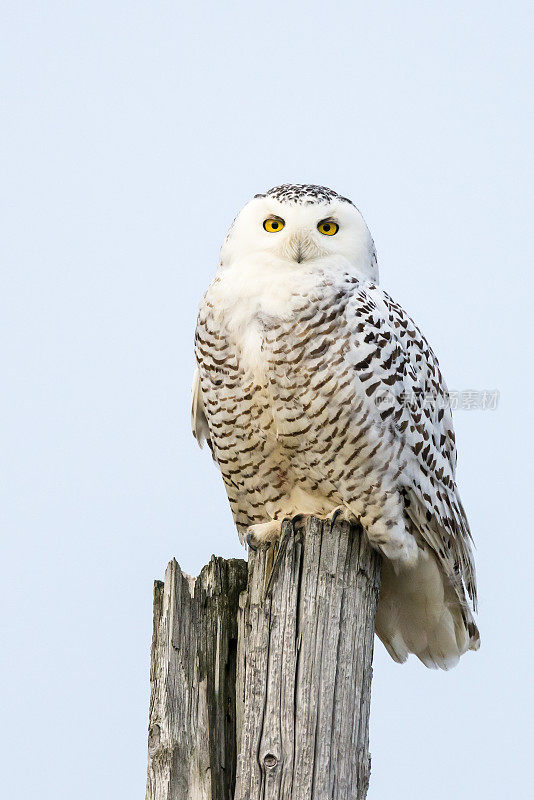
x,y
401,378
199,423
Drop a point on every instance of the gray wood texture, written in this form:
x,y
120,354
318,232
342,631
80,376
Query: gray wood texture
x,y
305,655
278,671
192,726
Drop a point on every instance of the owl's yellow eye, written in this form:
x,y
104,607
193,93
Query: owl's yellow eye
x,y
328,227
273,224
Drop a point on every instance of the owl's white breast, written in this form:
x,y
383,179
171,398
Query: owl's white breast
x,y
249,293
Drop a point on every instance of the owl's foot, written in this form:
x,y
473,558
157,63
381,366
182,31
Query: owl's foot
x,y
263,535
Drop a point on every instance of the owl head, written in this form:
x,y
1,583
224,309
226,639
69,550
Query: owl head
x,y
301,226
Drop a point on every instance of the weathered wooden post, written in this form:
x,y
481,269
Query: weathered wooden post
x,y
296,725
191,737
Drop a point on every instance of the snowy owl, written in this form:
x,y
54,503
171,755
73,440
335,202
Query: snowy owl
x,y
317,394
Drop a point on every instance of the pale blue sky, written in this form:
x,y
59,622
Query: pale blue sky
x,y
132,132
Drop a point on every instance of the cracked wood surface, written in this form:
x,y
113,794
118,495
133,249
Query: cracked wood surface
x,y
305,655
279,672
191,742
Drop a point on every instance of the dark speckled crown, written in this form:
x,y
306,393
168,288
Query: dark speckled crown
x,y
303,193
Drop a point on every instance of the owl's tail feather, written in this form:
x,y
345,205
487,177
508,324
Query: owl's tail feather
x,y
420,612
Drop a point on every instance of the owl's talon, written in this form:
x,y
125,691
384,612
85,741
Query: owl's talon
x,y
249,539
333,518
294,520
